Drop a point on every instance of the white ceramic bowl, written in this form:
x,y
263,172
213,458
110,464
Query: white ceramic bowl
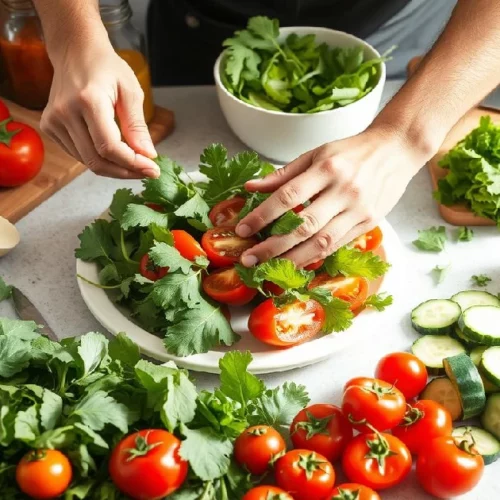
x,y
282,137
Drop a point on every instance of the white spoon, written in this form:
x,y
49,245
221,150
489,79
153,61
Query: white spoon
x,y
9,236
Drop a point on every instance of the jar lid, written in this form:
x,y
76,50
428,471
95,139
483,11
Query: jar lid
x,y
115,12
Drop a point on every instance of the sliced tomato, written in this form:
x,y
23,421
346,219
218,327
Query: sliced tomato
x,y
273,288
155,206
224,247
150,270
226,212
225,286
351,289
314,266
187,246
287,325
369,241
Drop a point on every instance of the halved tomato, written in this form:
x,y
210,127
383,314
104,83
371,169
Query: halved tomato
x,y
226,212
287,325
369,241
225,286
150,270
186,245
314,266
224,247
351,289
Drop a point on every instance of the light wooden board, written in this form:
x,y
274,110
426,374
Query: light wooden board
x,y
59,168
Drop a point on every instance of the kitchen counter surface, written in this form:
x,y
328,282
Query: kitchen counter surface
x,y
43,265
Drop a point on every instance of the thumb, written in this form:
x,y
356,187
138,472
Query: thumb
x,y
130,113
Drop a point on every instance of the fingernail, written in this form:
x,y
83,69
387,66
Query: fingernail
x,y
243,231
151,172
148,148
249,260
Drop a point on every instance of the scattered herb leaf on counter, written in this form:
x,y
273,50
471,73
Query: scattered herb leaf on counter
x,y
481,280
432,239
379,301
440,272
5,290
465,233
296,75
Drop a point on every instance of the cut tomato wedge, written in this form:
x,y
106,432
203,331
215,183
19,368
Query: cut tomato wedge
x,y
150,270
225,286
226,212
273,288
314,266
351,289
224,247
186,245
369,241
288,325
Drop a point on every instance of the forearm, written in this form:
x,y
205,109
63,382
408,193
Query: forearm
x,y
459,71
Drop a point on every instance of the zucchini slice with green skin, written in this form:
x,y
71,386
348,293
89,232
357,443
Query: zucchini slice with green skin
x,y
463,339
476,354
490,365
465,377
470,298
445,393
433,349
435,317
481,324
486,444
490,419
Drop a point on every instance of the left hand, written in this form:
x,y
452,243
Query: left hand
x,y
351,183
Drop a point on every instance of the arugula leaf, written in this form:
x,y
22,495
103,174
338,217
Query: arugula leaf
x,y
465,233
379,302
481,280
50,409
14,356
26,427
142,216
352,262
440,272
123,349
95,241
432,239
22,330
164,255
92,350
5,290
287,223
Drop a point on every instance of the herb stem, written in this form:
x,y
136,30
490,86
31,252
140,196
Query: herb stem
x,y
124,249
98,285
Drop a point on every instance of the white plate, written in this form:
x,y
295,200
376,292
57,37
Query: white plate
x,y
265,358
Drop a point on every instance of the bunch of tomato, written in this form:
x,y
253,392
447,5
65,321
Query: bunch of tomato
x,y
21,151
283,326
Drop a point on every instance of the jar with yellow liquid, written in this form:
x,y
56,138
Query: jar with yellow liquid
x,y
129,45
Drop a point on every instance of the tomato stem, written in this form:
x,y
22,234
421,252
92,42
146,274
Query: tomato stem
x,y
412,416
314,425
142,447
379,449
7,135
310,463
346,495
36,455
467,444
379,390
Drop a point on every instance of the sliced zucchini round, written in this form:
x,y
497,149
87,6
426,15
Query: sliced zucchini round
x,y
470,298
476,354
465,377
490,365
444,392
435,317
490,419
463,339
481,324
485,443
433,349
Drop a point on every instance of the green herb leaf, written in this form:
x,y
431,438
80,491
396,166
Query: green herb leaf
x,y
338,315
379,302
142,216
50,409
195,208
440,272
22,330
465,234
481,280
432,239
280,271
26,424
95,241
5,290
177,290
92,350
287,223
164,255
124,350
352,262
14,356
121,199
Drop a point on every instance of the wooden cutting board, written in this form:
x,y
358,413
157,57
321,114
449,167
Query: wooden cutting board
x,y
459,214
59,168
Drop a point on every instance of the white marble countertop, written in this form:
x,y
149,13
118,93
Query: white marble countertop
x,y
43,265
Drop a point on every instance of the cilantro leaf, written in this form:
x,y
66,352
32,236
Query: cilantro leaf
x,y
352,262
465,233
95,241
380,301
481,280
124,350
266,28
121,199
280,271
338,315
252,202
440,272
287,223
176,290
432,239
92,350
5,290
164,255
239,58
142,216
14,356
195,208
22,330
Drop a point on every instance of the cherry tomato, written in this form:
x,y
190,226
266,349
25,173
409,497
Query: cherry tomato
x,y
287,325
155,206
150,270
378,460
226,212
405,371
353,491
321,428
146,465
369,241
256,446
305,474
298,208
21,153
424,421
449,467
186,245
373,402
351,289
44,474
225,286
267,493
224,247
4,111
273,288
314,266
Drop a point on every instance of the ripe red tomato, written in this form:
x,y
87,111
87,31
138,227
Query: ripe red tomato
x,y
256,446
224,247
4,111
146,465
21,153
378,461
304,474
353,491
424,421
287,325
225,286
351,289
44,474
321,428
298,208
405,371
369,241
272,288
267,493
226,212
186,245
449,467
150,270
373,402
314,266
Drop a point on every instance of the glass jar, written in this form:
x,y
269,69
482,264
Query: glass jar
x,y
27,67
129,45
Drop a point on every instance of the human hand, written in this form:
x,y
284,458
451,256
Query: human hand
x,y
351,183
91,85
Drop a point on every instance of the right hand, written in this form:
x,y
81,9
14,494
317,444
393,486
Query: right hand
x,y
90,87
